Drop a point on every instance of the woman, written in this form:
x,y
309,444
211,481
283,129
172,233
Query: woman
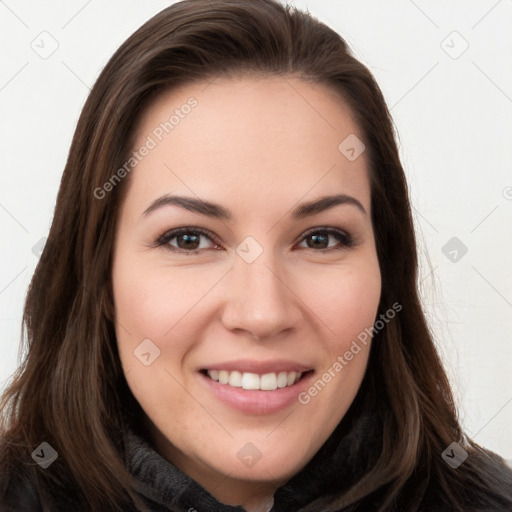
x,y
225,315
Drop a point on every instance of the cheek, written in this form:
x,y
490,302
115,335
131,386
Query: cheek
x,y
153,301
346,300
347,305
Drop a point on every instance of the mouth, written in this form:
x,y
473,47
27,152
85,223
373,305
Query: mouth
x,y
253,381
256,388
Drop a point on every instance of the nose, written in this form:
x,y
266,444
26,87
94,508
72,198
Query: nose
x,y
260,300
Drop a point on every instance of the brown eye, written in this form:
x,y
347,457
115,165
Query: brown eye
x,y
186,240
322,238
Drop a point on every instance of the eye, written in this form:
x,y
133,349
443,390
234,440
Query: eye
x,y
186,240
191,240
320,238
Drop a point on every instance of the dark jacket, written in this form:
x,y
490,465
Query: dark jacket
x,y
164,488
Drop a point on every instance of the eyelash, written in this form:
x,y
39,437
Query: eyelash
x,y
346,240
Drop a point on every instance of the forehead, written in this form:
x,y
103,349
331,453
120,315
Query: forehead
x,y
271,138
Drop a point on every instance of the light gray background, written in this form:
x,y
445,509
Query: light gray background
x,y
452,111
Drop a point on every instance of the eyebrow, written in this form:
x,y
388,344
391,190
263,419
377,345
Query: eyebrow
x,y
219,212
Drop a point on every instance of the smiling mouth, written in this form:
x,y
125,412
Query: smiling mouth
x,y
253,381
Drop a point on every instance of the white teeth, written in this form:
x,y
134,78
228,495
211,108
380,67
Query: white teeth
x,y
266,382
282,379
250,381
235,379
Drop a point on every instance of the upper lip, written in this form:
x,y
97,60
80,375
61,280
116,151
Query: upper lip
x,y
260,367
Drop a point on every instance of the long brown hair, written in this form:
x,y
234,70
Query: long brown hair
x,y
70,390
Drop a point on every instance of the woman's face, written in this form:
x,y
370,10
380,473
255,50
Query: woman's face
x,y
236,333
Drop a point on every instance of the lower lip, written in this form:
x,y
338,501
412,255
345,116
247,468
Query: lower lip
x,y
255,401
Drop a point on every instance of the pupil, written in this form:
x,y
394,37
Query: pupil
x,y
188,238
319,240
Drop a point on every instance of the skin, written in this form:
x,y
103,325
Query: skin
x,y
258,146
